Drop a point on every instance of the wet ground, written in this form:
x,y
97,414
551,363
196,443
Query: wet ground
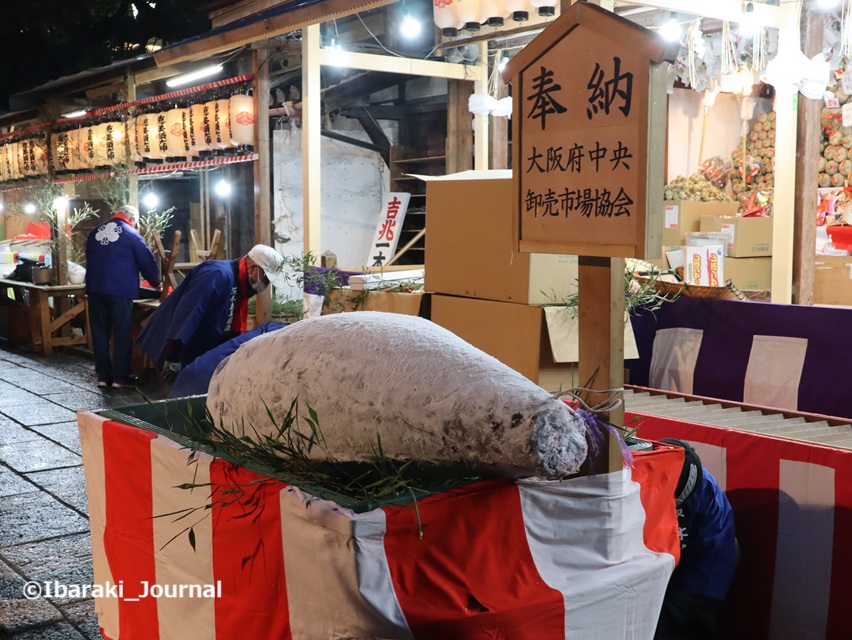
x,y
44,527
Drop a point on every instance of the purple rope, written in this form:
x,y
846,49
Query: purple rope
x,y
595,428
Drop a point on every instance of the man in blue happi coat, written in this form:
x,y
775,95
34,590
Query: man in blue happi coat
x,y
115,256
708,557
208,308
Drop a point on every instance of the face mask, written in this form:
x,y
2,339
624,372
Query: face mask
x,y
259,286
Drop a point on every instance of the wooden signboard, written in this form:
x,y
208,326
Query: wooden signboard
x,y
589,129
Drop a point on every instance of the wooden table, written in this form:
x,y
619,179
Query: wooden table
x,y
50,324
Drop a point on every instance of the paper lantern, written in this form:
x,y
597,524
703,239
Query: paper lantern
x,y
470,12
241,109
59,149
98,141
175,141
14,167
4,165
162,139
131,140
447,18
520,9
115,143
546,8
75,149
151,144
492,12
198,135
38,147
214,121
223,122
23,149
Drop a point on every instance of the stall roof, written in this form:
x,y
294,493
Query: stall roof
x,y
274,21
35,97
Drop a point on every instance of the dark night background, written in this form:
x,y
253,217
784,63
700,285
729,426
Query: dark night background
x,y
41,40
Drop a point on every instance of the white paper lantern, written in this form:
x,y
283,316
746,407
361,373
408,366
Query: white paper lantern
x,y
4,165
223,121
14,168
75,160
132,140
447,18
162,139
546,8
241,109
197,132
175,140
493,12
218,124
98,141
116,142
152,144
24,164
470,12
520,9
38,147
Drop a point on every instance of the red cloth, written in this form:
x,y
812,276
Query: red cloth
x,y
841,236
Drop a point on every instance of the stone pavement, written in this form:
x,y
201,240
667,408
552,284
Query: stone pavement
x,y
44,528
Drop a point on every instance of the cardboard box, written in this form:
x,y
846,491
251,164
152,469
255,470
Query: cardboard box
x,y
704,266
345,299
470,244
682,216
833,280
747,237
749,274
538,342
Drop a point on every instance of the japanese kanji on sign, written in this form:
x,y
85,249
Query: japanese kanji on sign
x,y
589,119
387,233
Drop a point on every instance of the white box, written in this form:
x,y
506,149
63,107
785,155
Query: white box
x,y
704,266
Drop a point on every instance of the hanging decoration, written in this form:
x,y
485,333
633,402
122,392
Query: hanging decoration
x,y
447,18
198,135
846,31
241,109
729,50
140,132
175,140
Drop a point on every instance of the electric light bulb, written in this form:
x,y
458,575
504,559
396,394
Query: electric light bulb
x,y
410,27
670,30
150,200
223,188
29,208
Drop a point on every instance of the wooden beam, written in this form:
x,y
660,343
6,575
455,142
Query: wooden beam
x,y
784,198
480,123
311,142
459,134
407,66
262,168
299,18
807,158
498,130
730,10
334,135
601,335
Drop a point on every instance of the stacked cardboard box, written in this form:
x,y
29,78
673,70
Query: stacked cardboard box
x,y
491,295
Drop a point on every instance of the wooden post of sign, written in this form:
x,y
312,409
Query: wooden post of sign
x,y
588,152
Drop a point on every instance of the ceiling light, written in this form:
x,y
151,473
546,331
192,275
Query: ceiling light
x,y
827,4
410,27
749,25
29,208
194,75
75,114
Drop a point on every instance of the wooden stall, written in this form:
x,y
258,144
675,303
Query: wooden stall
x,y
50,314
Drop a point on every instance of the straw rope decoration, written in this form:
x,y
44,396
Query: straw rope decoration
x,y
693,34
729,50
758,53
846,30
